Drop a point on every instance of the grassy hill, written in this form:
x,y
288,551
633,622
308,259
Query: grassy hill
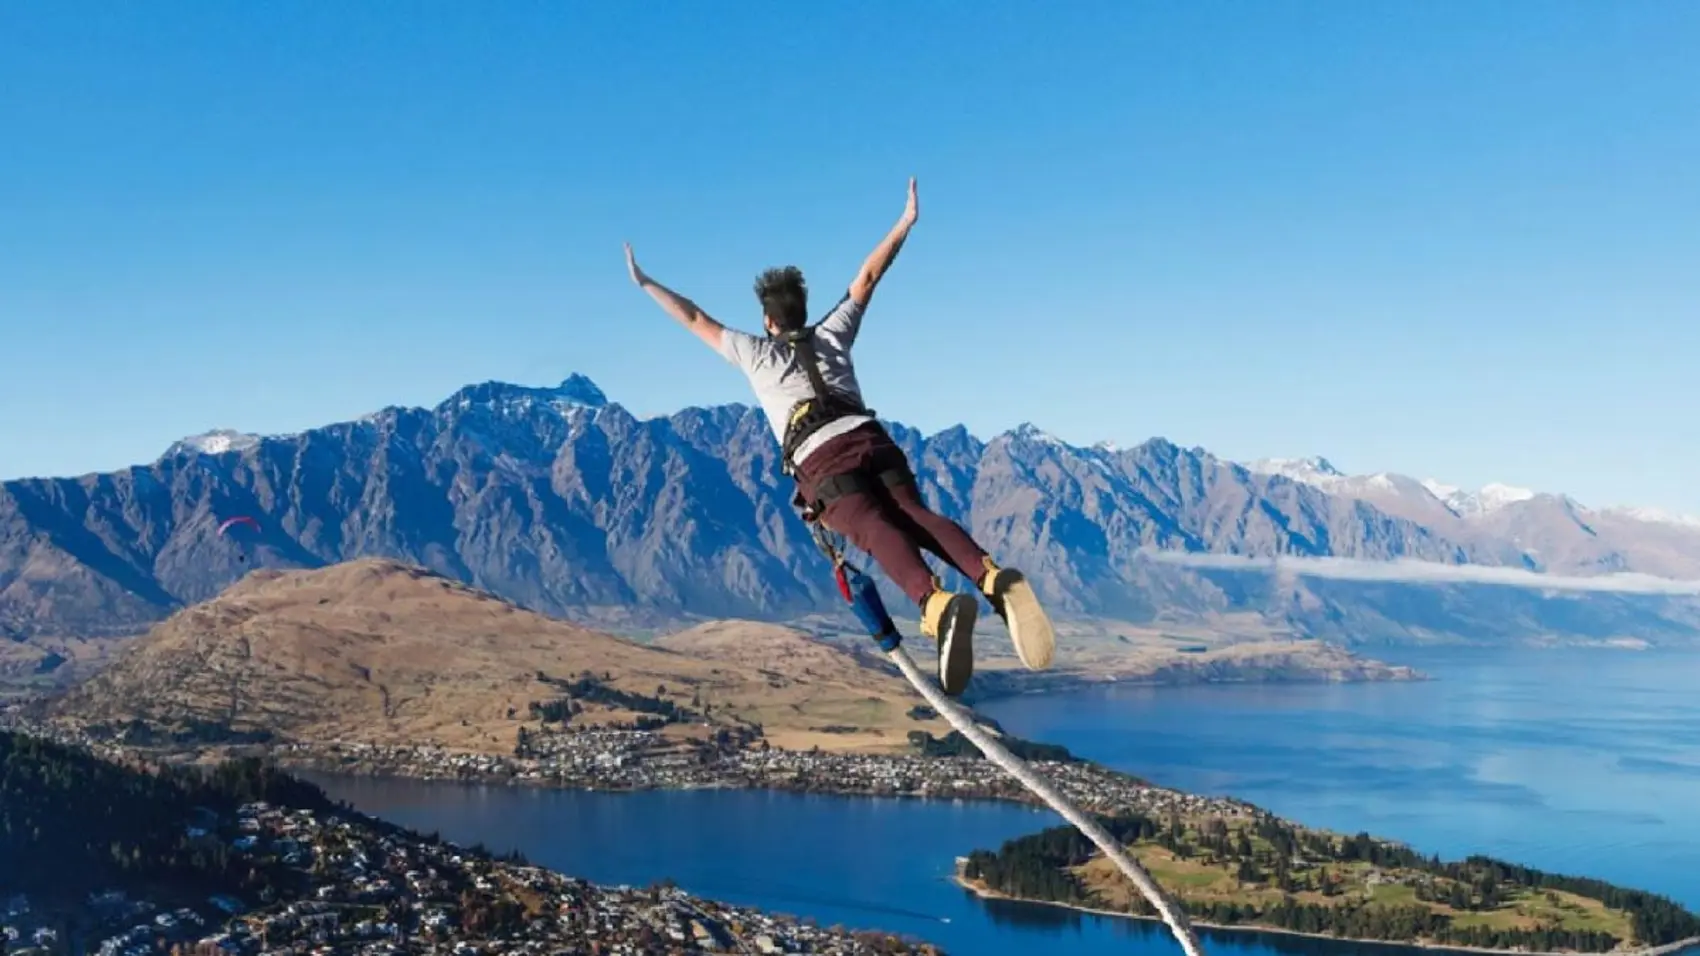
x,y
381,652
376,651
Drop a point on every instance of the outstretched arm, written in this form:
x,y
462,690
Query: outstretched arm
x,y
862,289
689,314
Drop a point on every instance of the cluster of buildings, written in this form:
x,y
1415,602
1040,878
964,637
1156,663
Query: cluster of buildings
x,y
598,759
13,719
628,759
21,929
384,893
1090,787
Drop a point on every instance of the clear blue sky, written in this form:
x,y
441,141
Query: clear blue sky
x,y
1444,238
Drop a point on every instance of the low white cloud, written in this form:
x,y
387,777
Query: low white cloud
x,y
1405,570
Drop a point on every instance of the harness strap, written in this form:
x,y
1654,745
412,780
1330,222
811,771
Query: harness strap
x,y
826,405
802,341
834,487
829,489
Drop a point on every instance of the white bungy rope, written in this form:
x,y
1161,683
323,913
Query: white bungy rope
x,y
1172,914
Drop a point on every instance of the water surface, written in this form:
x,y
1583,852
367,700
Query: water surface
x,y
1578,761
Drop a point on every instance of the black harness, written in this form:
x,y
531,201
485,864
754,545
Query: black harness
x,y
808,417
812,414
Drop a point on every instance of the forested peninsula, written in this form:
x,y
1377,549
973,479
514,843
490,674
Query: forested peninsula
x,y
1266,873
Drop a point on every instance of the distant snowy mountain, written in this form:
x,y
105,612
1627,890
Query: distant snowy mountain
x,y
513,401
1491,497
1393,493
1316,471
1655,516
1553,531
216,442
566,503
1321,473
576,392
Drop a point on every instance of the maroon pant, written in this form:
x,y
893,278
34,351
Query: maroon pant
x,y
890,523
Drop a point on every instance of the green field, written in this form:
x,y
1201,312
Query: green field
x,y
1205,878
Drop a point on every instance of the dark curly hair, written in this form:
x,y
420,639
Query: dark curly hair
x,y
784,297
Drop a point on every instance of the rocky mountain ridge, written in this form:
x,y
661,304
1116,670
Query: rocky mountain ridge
x,y
565,503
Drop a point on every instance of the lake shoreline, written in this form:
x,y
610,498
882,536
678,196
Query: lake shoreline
x,y
1216,720
980,890
984,892
1078,683
1011,683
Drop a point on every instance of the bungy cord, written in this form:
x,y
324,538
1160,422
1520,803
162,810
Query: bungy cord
x,y
1173,915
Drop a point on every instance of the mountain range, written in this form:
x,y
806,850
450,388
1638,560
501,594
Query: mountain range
x,y
1553,532
565,503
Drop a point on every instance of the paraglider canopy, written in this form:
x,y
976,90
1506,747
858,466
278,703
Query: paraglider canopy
x,y
239,519
241,538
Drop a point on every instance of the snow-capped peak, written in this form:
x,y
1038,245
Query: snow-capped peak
x,y
1385,486
1495,495
1456,499
1656,516
1440,490
215,442
1032,432
576,392
1318,472
580,390
1491,497
1315,470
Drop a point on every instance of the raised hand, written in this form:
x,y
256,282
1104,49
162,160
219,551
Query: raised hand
x,y
680,308
912,210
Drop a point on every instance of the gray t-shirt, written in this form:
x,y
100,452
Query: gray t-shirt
x,y
780,382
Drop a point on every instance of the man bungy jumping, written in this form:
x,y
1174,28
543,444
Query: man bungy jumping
x,y
851,477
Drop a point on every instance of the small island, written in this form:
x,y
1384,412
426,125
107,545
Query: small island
x,y
1255,871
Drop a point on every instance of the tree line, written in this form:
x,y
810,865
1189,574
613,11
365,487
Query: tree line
x,y
588,687
71,822
1037,866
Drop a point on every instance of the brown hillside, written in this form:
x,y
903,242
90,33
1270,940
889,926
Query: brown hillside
x,y
772,647
814,691
378,651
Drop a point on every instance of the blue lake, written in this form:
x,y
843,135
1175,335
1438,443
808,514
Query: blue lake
x,y
1584,761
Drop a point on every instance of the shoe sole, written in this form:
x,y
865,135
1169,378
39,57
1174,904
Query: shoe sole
x,y
956,645
1029,628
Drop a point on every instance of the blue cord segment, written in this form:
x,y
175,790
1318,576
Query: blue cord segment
x,y
865,601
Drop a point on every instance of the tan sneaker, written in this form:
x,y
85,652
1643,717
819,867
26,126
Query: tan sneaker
x,y
1029,629
949,619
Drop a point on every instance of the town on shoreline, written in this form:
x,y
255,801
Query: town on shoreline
x,y
616,760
